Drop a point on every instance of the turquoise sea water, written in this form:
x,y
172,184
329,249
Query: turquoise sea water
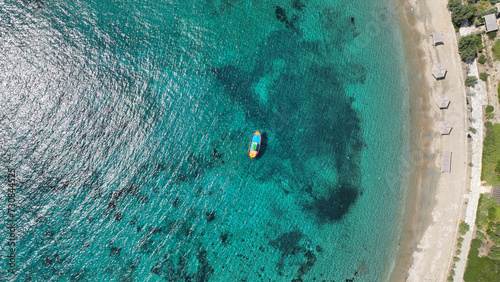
x,y
127,124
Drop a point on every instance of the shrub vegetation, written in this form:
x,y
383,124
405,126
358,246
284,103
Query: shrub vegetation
x,y
471,80
495,253
485,268
495,50
492,35
491,155
463,228
461,12
469,45
498,92
483,76
489,112
481,12
481,59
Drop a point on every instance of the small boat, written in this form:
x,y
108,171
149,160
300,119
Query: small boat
x,y
254,147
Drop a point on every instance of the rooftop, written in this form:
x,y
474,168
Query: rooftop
x,y
491,22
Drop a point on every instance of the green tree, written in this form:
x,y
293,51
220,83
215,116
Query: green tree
x,y
470,80
453,5
497,170
479,42
483,76
481,219
463,13
498,92
467,46
490,115
481,59
488,125
463,228
494,253
480,236
480,268
495,239
492,212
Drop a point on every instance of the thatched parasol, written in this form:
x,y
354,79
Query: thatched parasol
x,y
439,71
442,101
445,127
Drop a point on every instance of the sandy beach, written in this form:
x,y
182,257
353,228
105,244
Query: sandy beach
x,y
435,203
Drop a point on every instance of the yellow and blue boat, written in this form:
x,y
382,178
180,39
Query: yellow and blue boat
x,y
254,147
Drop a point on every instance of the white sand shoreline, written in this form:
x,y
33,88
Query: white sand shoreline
x,y
428,246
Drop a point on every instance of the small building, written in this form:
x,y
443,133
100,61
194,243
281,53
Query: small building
x,y
442,101
491,22
439,71
445,127
438,38
446,162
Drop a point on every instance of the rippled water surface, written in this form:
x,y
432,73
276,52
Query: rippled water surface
x,y
127,124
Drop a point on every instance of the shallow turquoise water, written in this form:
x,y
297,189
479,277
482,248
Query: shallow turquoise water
x,y
128,125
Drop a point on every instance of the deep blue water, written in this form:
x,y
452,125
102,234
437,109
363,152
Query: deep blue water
x,y
127,124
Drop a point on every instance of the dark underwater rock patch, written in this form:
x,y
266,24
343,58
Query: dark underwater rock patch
x,y
223,237
216,154
322,138
143,199
298,5
335,205
115,251
130,190
204,269
292,244
195,166
288,242
79,276
111,205
49,234
281,15
176,202
308,265
210,216
357,74
319,249
330,19
133,221
53,184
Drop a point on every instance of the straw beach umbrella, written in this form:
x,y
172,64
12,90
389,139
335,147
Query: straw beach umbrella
x,y
438,38
439,71
445,127
446,162
442,101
